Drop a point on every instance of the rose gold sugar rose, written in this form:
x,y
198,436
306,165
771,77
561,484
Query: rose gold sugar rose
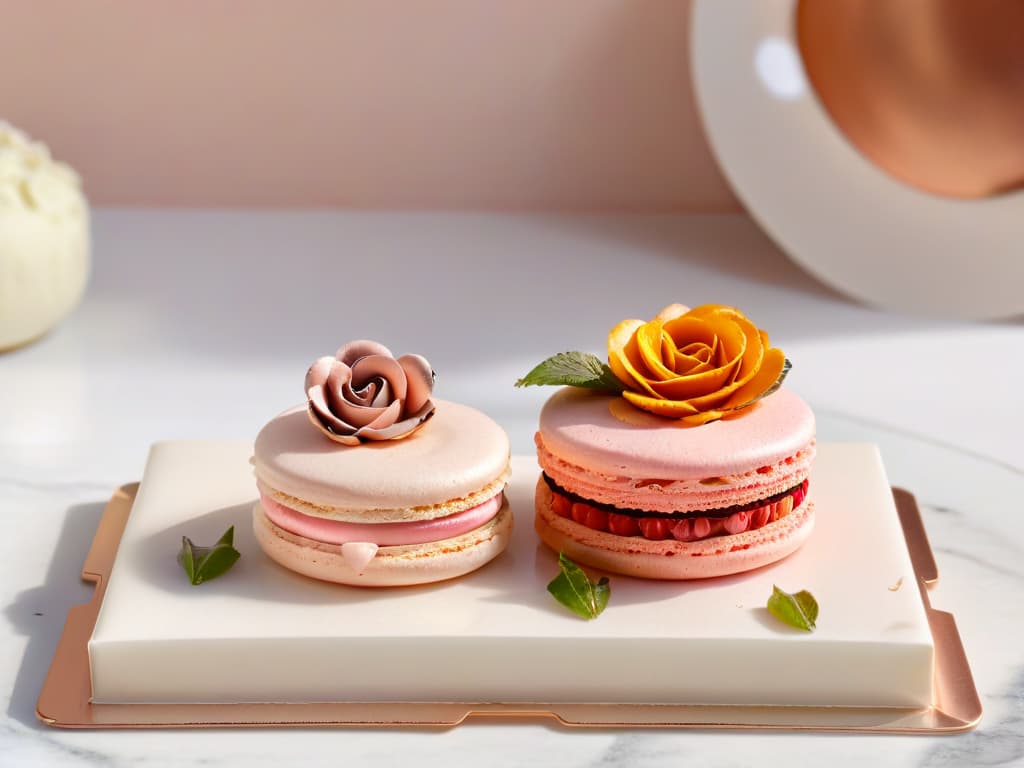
x,y
363,393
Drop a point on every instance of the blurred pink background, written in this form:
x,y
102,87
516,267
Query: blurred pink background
x,y
579,105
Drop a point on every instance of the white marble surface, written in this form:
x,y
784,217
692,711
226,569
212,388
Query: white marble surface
x,y
201,325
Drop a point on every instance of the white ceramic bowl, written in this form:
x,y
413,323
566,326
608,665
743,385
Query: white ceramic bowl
x,y
842,218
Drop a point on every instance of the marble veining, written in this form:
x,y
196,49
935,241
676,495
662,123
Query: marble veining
x,y
924,437
644,750
1015,574
175,339
1001,743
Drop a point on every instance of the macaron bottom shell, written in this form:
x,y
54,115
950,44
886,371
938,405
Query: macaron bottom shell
x,y
670,558
391,566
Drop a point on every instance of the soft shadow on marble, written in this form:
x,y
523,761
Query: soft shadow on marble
x,y
40,612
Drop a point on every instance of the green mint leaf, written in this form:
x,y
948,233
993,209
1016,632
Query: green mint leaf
x,y
576,592
602,591
798,610
204,563
577,369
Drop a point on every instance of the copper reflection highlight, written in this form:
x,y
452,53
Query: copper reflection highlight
x,y
931,91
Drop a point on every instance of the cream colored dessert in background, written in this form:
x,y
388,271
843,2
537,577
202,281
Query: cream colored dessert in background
x,y
44,239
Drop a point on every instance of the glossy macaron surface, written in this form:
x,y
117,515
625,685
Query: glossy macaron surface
x,y
455,454
580,427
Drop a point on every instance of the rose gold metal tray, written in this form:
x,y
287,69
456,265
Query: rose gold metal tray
x,y
65,698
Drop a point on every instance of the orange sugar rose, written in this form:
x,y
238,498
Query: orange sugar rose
x,y
694,365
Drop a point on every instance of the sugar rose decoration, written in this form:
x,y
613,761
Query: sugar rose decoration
x,y
695,365
364,393
692,365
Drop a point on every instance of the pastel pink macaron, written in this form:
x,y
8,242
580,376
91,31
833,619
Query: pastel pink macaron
x,y
424,508
636,494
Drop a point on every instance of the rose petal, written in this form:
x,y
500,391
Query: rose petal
x,y
323,415
713,402
754,353
372,367
765,377
635,357
750,360
337,381
688,330
707,310
703,417
365,395
318,371
675,409
367,416
702,383
696,357
354,350
693,358
649,338
698,350
621,339
401,428
726,322
383,396
390,416
695,385
726,341
737,334
314,419
420,380
671,312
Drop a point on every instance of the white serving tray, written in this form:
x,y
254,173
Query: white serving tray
x,y
692,653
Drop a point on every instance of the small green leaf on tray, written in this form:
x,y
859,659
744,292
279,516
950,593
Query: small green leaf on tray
x,y
577,369
799,610
576,592
205,563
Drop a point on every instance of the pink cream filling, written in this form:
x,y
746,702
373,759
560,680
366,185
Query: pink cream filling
x,y
382,534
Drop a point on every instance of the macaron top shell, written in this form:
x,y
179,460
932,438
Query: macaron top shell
x,y
455,454
579,427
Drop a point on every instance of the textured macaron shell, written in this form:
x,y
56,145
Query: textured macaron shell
x,y
457,454
579,427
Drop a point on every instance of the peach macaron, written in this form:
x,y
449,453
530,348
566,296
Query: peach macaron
x,y
655,499
683,457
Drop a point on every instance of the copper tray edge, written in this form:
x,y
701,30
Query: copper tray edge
x,y
65,698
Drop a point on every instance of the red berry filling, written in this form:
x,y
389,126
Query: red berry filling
x,y
689,528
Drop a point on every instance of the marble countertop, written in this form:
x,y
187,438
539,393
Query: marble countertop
x,y
202,324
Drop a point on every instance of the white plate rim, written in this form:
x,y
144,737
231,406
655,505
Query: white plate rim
x,y
836,214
